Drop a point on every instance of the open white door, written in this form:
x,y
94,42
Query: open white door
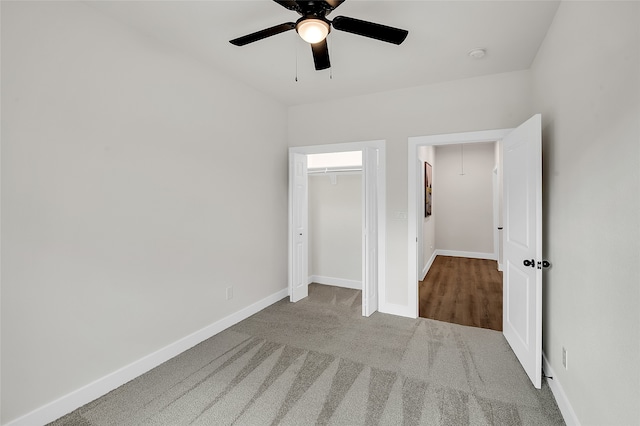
x,y
522,279
298,218
370,231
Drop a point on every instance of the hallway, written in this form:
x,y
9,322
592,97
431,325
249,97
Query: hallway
x,y
462,291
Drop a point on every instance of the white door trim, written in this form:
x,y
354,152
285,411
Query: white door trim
x,y
420,198
380,145
496,217
413,177
370,231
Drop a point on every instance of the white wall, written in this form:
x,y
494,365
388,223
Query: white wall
x,y
463,203
426,248
133,194
335,228
495,101
587,86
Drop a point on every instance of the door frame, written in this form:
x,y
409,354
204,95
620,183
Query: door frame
x,y
497,224
413,175
380,185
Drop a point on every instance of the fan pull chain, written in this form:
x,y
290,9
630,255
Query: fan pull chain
x,y
295,47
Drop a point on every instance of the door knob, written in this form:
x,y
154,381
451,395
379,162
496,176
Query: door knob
x,y
528,262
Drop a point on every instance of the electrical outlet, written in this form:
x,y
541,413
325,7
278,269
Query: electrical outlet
x,y
564,358
229,293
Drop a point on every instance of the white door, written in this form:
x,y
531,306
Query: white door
x,y
370,231
298,218
522,233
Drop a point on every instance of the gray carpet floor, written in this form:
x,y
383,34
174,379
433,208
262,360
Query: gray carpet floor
x,y
319,361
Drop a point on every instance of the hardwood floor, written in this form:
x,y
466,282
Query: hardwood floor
x,y
463,291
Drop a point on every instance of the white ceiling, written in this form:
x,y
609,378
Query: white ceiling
x,y
440,35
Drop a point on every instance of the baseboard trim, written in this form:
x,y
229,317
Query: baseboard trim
x,y
337,282
425,271
564,405
76,399
469,254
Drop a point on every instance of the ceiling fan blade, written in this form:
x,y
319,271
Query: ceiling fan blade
x,y
321,55
334,3
289,4
331,5
259,35
370,29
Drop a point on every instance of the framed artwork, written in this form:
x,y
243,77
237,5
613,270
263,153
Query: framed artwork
x,y
428,176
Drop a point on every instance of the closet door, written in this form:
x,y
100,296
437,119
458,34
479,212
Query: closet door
x,y
370,231
298,227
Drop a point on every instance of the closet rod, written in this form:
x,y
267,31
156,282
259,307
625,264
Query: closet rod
x,y
326,170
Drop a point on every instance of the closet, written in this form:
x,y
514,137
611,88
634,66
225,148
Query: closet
x,y
335,219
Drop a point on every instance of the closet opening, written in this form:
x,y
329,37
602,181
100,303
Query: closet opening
x,y
335,227
336,223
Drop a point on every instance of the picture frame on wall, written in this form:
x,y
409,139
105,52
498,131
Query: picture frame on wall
x,y
428,176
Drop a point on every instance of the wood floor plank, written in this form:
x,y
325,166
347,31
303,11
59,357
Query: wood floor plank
x,y
463,291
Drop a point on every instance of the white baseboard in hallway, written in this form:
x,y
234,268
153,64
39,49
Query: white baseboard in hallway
x,y
76,399
426,268
469,254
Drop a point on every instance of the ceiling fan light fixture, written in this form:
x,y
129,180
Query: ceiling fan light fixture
x,y
312,30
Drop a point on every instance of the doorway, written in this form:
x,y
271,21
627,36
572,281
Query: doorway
x,y
415,191
373,219
521,236
457,245
335,219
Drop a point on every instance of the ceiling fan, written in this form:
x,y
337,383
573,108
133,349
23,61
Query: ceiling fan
x,y
313,27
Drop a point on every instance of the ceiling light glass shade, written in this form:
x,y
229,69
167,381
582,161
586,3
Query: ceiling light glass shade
x,y
313,30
